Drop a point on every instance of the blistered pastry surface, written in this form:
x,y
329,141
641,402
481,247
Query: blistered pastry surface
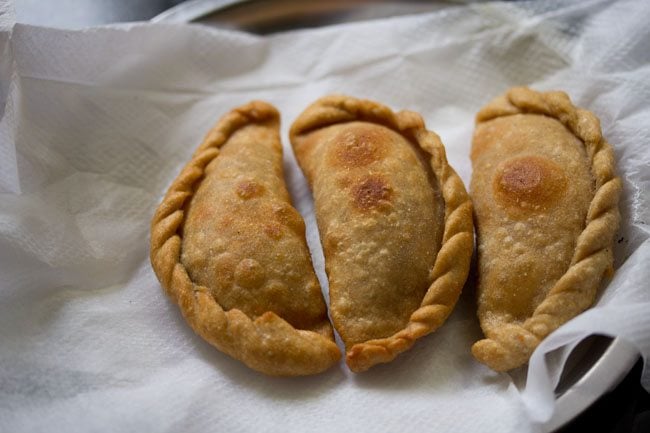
x,y
380,222
229,249
529,213
546,205
392,215
244,241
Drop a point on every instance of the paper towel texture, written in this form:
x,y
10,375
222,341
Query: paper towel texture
x,y
96,123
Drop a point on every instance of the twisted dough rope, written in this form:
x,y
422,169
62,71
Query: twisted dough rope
x,y
511,345
451,266
268,344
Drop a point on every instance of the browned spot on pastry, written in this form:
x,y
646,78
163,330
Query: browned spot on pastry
x,y
273,230
371,193
249,274
249,189
529,183
358,146
222,223
331,242
290,217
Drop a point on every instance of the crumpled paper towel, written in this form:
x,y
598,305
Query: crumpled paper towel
x,y
96,123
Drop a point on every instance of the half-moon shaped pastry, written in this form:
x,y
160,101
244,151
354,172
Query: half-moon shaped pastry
x,y
395,222
230,250
546,201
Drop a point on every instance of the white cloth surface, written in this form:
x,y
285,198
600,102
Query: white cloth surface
x,y
95,123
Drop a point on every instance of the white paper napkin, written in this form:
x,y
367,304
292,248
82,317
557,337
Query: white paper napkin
x,y
96,123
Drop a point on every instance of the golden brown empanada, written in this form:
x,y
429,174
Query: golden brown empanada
x,y
546,202
229,248
395,222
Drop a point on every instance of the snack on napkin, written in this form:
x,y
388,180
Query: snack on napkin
x,y
230,250
546,206
394,219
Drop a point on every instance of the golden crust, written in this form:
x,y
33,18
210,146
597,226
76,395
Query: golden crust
x,y
546,201
395,222
244,283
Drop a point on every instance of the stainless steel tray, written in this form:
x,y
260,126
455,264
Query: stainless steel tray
x,y
271,16
598,360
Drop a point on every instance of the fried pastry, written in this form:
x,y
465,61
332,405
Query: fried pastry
x,y
546,209
395,223
230,250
